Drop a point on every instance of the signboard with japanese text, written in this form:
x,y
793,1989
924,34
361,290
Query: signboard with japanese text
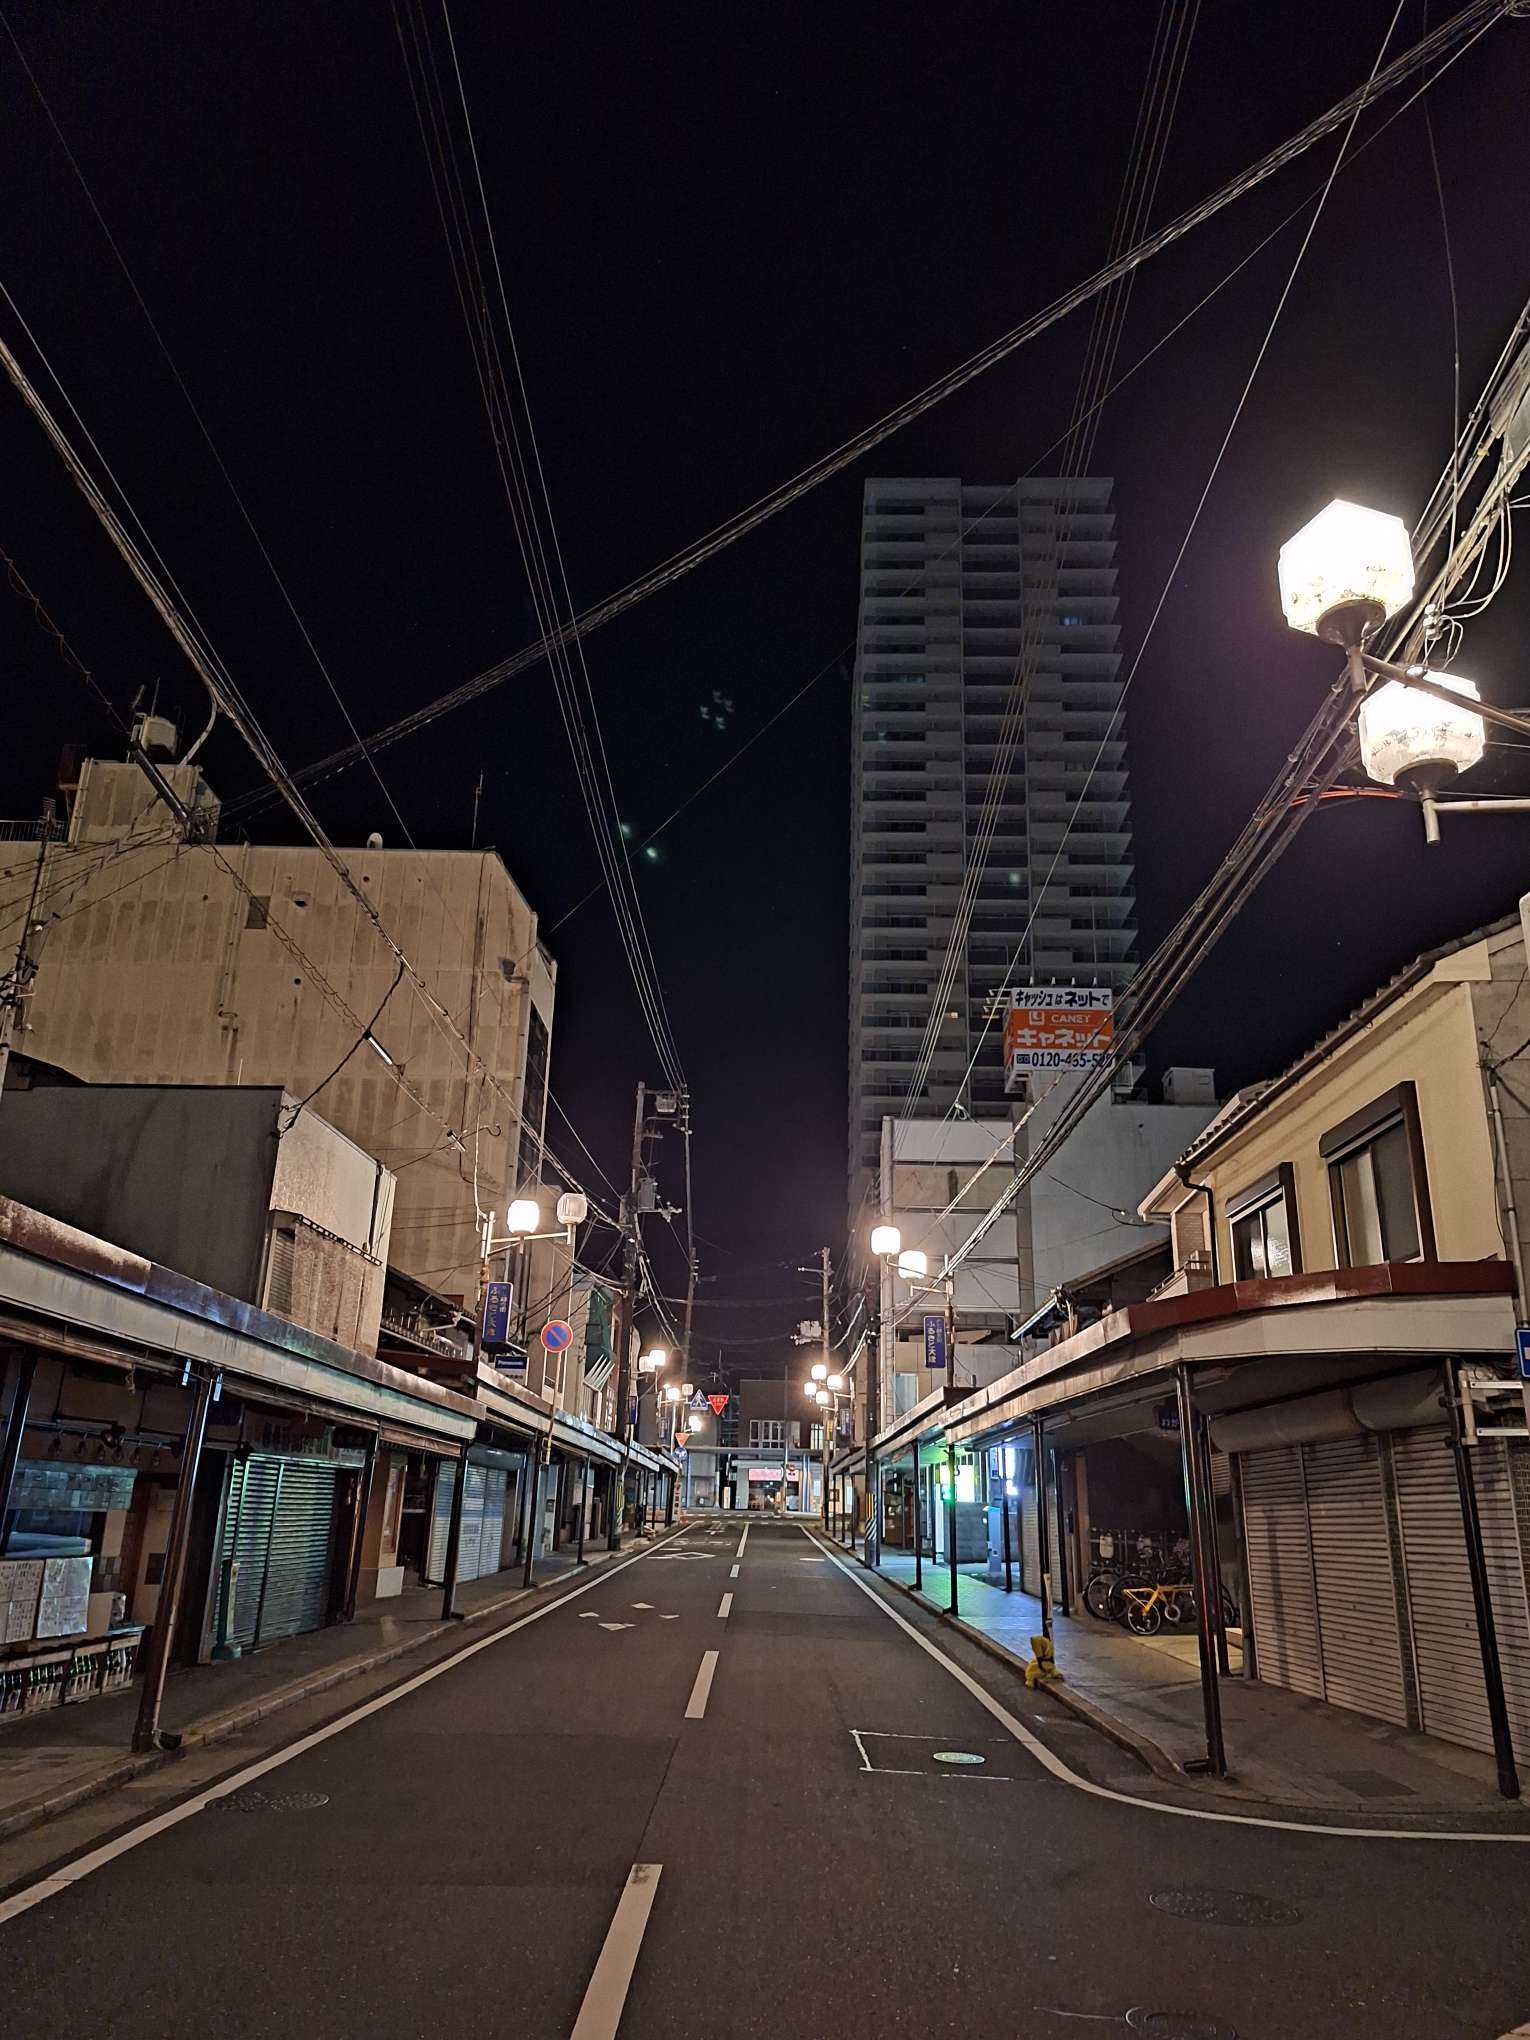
x,y
1057,1027
935,1354
717,1404
496,1314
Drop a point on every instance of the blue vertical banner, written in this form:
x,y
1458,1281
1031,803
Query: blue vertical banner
x,y
496,1314
935,1355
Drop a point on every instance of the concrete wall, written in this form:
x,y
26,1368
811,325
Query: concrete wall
x,y
180,1175
189,1176
159,969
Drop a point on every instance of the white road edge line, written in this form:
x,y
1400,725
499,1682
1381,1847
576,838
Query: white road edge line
x,y
733,1572
1054,1764
606,1998
696,1706
742,1542
98,1858
724,1607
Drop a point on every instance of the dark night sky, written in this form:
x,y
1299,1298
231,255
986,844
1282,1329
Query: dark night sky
x,y
731,237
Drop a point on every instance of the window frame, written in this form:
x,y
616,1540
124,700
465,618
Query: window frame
x,y
1278,1187
1397,1107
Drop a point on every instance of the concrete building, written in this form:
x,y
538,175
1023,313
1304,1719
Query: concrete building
x,y
1073,1218
962,588
212,1181
164,962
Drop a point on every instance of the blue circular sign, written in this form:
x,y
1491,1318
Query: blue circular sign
x,y
557,1335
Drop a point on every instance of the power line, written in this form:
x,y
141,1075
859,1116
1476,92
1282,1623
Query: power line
x,y
1453,35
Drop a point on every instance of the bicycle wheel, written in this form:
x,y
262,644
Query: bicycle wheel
x,y
1097,1595
1230,1616
1178,1609
1144,1618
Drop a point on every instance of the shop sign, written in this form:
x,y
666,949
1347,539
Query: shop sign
x,y
1166,1416
773,1473
1057,1027
511,1361
935,1342
496,1314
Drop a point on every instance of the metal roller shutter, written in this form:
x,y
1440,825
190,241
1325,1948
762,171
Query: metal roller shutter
x,y
471,1536
1280,1573
492,1537
246,1535
1503,1496
1029,1553
440,1522
1452,1698
297,1592
1352,1565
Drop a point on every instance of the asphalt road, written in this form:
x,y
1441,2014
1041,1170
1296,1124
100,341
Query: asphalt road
x,y
461,1860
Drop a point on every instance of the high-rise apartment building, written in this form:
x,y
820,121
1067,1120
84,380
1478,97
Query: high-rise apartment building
x,y
966,591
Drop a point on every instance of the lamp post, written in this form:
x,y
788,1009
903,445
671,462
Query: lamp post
x,y
826,1391
1345,573
912,1265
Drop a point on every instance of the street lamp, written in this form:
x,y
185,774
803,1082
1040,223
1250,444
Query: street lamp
x,y
885,1241
1345,572
820,1371
523,1217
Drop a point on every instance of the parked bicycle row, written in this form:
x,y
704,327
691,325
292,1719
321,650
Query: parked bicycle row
x,y
1144,1583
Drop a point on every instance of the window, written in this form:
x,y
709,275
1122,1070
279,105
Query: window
x,y
765,1432
257,910
1377,1182
815,1438
1262,1220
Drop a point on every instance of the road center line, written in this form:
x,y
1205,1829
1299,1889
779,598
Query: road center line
x,y
606,1997
733,1572
724,1607
1052,1763
742,1542
696,1706
96,1859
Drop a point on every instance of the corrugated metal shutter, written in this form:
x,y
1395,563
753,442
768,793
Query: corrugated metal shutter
x,y
493,1535
1352,1562
1452,1698
247,1515
1030,1528
297,1595
471,1535
1503,1489
440,1522
1280,1573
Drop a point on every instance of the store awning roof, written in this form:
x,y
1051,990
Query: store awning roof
x,y
1256,1340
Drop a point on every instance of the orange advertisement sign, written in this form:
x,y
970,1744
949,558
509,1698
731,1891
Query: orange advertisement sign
x,y
1058,1027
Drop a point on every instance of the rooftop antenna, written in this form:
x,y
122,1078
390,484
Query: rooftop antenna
x,y
477,797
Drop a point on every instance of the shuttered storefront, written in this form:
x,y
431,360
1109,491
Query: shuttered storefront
x,y
481,1543
1359,1581
1280,1576
1030,1525
279,1526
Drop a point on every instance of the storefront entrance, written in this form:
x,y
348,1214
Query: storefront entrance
x,y
276,1549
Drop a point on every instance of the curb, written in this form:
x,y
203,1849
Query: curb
x,y
218,1727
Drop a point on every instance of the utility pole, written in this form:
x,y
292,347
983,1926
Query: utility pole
x,y
16,985
825,1270
627,1297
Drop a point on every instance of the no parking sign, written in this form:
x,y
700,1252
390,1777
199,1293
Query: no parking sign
x,y
557,1335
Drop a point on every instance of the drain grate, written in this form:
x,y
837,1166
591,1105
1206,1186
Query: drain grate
x,y
1178,2025
268,1802
959,1757
1225,1908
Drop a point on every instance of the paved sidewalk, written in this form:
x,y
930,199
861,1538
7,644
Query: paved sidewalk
x,y
52,1760
1282,1748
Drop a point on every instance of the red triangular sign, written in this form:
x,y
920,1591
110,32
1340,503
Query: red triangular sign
x,y
719,1403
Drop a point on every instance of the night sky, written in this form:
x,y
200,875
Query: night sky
x,y
732,236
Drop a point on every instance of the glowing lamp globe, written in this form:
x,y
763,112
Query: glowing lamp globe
x,y
913,1264
573,1208
885,1240
523,1216
1345,572
1416,741
820,1371
810,1388
835,1383
823,1396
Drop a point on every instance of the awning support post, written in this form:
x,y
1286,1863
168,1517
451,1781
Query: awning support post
x,y
537,1458
15,1431
951,1519
146,1732
1215,1759
454,1540
1043,1539
584,1509
1219,1625
1482,1599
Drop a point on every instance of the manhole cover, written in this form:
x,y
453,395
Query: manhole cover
x,y
1178,2025
1225,1908
268,1802
958,1757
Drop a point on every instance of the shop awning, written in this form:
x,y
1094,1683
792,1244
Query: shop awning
x,y
1259,1341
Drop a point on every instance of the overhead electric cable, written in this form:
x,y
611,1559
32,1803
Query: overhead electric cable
x,y
1451,38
